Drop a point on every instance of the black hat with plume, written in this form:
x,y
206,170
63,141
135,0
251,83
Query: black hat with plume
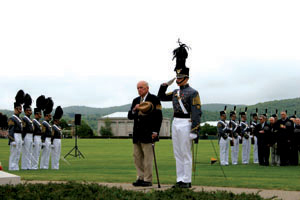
x,y
223,112
58,113
181,55
244,113
48,106
27,102
233,112
40,104
19,99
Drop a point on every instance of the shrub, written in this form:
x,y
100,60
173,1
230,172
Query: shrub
x,y
74,191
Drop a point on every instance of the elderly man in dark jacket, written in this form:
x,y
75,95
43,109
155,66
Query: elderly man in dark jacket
x,y
146,113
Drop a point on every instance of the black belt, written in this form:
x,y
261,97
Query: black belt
x,y
182,115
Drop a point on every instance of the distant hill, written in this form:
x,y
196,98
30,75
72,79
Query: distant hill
x,y
291,105
84,110
215,107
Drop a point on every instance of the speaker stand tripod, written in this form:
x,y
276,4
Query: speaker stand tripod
x,y
75,148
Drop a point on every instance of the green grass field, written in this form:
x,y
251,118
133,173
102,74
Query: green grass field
x,y
111,160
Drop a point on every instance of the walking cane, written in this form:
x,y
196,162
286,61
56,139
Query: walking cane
x,y
155,165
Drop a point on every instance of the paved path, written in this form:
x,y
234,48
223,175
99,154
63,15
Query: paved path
x,y
281,194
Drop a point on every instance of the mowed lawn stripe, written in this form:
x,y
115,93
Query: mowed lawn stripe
x,y
111,160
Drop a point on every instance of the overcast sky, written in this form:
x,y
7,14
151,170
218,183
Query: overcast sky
x,y
93,53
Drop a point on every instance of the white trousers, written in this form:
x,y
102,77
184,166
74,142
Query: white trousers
x,y
15,152
27,152
44,163
224,151
36,152
55,153
246,151
235,151
255,151
182,144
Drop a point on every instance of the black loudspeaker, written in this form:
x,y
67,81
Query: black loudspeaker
x,y
77,119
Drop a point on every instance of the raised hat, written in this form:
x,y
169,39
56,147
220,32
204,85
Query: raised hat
x,y
145,108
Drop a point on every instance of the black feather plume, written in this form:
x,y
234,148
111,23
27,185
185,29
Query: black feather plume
x,y
20,97
49,105
58,113
41,102
181,55
27,100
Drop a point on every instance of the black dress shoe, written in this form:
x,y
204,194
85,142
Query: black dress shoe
x,y
185,185
146,184
138,183
177,185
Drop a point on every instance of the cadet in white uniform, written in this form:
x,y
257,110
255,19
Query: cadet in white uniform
x,y
27,134
46,134
187,113
234,128
15,130
37,132
245,132
56,138
224,139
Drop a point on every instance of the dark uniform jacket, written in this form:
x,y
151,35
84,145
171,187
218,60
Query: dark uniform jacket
x,y
245,129
190,100
234,129
253,124
145,125
56,133
27,126
14,126
46,130
222,129
37,127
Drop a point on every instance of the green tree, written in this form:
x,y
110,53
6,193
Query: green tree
x,y
64,124
208,129
106,129
84,130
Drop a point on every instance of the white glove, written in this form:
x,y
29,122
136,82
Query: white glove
x,y
229,129
251,136
43,144
230,138
251,126
14,144
52,146
193,136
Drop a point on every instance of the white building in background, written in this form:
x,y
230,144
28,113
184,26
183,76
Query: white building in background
x,y
212,123
122,126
